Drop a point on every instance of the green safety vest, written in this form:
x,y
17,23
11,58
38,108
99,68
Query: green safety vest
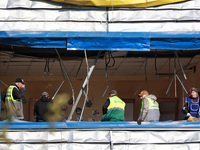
x,y
9,95
116,103
152,104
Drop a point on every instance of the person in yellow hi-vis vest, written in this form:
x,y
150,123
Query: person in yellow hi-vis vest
x,y
13,99
113,109
149,108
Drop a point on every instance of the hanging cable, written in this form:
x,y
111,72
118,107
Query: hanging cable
x,y
111,56
106,68
183,72
79,68
73,97
121,61
188,63
62,81
46,67
156,64
145,70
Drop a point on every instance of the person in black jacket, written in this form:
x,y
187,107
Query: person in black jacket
x,y
42,107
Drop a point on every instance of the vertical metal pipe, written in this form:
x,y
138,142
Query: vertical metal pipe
x,y
175,76
181,66
86,98
169,85
3,83
183,93
62,65
106,76
0,94
86,94
169,71
83,86
58,89
145,70
181,84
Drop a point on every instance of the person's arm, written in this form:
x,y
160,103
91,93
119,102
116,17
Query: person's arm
x,y
145,109
18,94
187,108
105,106
143,112
35,113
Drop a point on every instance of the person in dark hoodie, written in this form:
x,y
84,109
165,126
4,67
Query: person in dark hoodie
x,y
13,99
149,108
42,107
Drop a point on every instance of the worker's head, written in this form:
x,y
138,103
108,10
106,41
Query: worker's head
x,y
194,92
45,94
113,93
143,94
20,82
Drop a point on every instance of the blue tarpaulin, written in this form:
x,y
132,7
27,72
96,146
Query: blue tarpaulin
x,y
98,125
121,41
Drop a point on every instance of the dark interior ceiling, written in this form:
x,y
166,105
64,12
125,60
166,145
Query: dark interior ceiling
x,y
39,61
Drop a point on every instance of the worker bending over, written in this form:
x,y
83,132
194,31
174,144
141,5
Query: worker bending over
x,y
113,109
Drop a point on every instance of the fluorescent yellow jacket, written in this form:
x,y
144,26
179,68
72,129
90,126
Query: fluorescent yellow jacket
x,y
115,110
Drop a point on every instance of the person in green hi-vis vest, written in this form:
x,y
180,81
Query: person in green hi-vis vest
x,y
149,108
113,109
13,99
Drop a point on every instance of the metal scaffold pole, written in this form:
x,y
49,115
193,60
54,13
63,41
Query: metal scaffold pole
x,y
83,86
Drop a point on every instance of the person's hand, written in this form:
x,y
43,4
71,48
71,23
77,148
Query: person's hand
x,y
139,121
23,86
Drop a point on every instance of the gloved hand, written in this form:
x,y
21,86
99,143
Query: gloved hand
x,y
139,121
